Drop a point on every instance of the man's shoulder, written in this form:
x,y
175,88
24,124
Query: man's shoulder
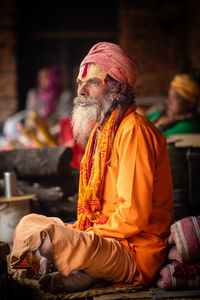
x,y
147,134
137,122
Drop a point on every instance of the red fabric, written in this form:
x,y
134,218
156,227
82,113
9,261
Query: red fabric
x,y
66,133
176,276
78,153
185,270
114,61
67,139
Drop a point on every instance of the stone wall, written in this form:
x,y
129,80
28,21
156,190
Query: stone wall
x,y
8,67
162,37
194,32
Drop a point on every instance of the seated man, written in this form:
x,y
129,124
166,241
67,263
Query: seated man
x,y
180,113
125,205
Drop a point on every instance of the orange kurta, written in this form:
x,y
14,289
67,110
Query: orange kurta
x,y
137,199
137,194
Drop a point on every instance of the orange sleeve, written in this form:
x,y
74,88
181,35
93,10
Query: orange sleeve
x,y
136,154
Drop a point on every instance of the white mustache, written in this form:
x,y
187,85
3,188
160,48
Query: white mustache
x,y
84,101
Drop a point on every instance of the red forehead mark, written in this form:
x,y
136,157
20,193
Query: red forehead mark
x,y
106,80
84,74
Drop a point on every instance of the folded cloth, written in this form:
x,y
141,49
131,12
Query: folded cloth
x,y
185,235
177,276
173,254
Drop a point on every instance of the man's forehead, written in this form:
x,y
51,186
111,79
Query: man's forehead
x,y
91,70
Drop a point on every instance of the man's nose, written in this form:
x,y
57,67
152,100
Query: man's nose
x,y
83,90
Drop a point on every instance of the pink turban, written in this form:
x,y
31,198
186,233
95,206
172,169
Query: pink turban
x,y
114,61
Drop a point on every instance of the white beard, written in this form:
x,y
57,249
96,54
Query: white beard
x,y
84,117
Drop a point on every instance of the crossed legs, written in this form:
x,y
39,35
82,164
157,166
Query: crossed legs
x,y
55,281
80,258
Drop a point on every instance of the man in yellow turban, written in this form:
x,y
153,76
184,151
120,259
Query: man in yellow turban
x,y
125,205
180,113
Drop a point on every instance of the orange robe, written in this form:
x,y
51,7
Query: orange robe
x,y
137,199
137,194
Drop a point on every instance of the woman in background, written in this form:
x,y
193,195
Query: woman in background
x,y
180,114
44,97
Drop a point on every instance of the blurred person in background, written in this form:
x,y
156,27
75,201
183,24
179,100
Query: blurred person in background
x,y
46,120
47,98
180,114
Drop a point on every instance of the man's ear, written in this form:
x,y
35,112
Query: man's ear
x,y
121,89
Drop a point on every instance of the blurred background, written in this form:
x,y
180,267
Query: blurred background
x,y
40,37
163,37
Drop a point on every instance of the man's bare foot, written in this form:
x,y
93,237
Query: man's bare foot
x,y
57,283
44,254
46,248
